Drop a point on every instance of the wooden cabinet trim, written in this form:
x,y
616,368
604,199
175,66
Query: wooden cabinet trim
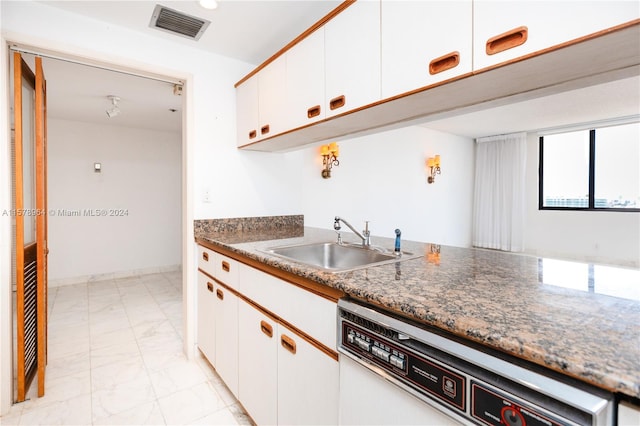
x,y
298,39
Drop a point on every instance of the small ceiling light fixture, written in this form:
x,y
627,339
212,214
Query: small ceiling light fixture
x,y
113,110
329,154
209,4
434,165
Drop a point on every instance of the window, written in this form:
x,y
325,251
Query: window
x,y
596,169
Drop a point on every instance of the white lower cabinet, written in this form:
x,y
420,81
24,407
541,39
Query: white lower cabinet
x,y
271,342
206,317
226,337
307,382
283,379
258,359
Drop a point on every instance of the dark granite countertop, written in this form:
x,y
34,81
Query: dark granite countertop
x,y
578,319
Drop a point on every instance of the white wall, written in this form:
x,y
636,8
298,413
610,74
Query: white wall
x,y
140,175
383,178
592,236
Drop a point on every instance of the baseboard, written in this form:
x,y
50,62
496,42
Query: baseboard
x,y
59,282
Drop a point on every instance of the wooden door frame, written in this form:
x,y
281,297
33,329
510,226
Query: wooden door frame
x,y
123,64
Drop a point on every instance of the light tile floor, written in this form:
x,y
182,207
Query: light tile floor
x,y
115,358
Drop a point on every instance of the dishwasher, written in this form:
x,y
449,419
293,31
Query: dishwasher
x,y
393,371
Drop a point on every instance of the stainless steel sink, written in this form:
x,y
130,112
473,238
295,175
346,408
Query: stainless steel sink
x,y
334,257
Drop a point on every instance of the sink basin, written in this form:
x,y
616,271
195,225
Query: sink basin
x,y
334,257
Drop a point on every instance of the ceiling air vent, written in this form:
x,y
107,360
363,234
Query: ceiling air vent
x,y
175,22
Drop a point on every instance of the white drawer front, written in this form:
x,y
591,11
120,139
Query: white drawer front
x,y
206,259
227,270
311,313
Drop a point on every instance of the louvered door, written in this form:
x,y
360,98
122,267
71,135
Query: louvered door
x,y
30,224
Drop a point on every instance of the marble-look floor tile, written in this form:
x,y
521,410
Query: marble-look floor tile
x,y
146,414
73,411
154,329
191,404
121,397
111,338
157,360
113,354
59,390
176,377
69,333
58,350
107,323
109,375
69,364
220,417
12,417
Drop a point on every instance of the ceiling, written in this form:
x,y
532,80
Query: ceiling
x,y
247,30
252,31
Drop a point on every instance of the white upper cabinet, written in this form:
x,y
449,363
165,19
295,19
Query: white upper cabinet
x,y
272,98
424,42
247,115
505,30
305,80
352,58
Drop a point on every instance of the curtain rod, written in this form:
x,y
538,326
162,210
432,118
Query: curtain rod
x,y
589,125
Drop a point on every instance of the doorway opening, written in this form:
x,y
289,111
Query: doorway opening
x,y
115,187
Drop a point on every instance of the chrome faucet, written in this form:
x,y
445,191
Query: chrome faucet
x,y
365,236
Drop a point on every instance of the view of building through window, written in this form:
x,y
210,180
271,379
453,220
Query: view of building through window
x,y
616,168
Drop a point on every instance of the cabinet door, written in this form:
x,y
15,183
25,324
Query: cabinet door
x,y
206,334
352,58
308,382
226,312
504,30
247,118
258,375
424,42
305,80
272,98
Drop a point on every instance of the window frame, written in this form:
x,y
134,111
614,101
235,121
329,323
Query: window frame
x,y
592,176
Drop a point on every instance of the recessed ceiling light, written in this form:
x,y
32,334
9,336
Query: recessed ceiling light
x,y
209,4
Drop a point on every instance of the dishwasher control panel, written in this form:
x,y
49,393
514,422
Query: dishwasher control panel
x,y
494,408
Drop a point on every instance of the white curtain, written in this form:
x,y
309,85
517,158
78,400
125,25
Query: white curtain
x,y
499,196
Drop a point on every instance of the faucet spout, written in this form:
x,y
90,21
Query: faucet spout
x,y
365,236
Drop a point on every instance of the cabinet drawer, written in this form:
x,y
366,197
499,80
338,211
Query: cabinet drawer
x,y
206,260
309,312
227,270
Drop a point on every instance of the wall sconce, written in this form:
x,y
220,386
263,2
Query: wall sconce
x,y
329,154
434,165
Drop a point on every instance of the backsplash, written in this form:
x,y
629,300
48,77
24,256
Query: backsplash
x,y
294,224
